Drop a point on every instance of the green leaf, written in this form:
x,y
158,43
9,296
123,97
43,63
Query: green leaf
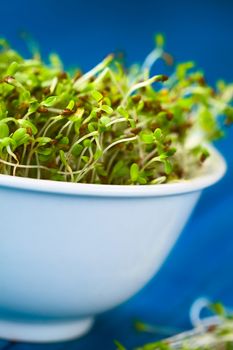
x,y
140,105
7,141
167,167
123,112
167,154
229,115
12,69
56,61
100,169
49,101
92,127
97,95
45,151
27,124
204,155
134,172
78,115
77,126
119,346
140,326
132,123
64,140
70,105
33,107
4,44
87,143
63,157
183,68
163,156
142,180
21,136
147,137
105,120
98,154
158,134
120,169
43,140
218,309
171,152
77,149
107,101
159,345
107,109
85,159
207,121
4,130
159,40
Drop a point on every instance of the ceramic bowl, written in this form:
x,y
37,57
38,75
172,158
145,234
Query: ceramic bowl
x,y
71,251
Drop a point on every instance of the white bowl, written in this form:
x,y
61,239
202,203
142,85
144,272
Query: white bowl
x,y
71,251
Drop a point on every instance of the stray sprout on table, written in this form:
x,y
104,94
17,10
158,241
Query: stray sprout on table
x,y
214,333
111,125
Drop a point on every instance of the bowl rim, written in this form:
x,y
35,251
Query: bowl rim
x,y
212,171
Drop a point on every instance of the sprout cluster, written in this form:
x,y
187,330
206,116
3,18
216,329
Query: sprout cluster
x,y
111,125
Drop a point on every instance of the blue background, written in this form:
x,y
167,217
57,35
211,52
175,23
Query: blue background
x,y
83,32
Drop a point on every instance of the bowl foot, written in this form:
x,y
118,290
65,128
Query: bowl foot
x,y
43,332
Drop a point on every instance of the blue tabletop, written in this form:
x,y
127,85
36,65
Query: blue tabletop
x,y
201,263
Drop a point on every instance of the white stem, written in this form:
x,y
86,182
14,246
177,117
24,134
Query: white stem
x,y
83,138
119,141
151,59
93,71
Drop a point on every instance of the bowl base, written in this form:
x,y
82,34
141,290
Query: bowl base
x,y
44,332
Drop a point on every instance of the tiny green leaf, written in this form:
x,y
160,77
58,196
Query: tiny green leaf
x,y
167,167
142,180
43,140
21,137
49,101
107,109
78,114
207,120
123,112
159,40
45,151
12,69
158,134
56,61
70,105
134,172
63,157
147,137
4,130
120,169
119,346
183,68
105,120
33,107
77,149
85,159
98,154
97,95
87,143
64,140
218,308
27,124
7,141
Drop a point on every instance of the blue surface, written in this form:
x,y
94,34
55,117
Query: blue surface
x,y
83,32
